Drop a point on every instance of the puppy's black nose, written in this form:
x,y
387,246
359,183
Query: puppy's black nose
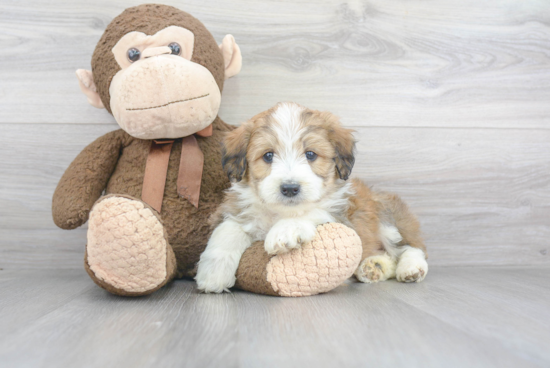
x,y
290,190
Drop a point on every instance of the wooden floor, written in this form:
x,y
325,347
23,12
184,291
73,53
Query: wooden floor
x,y
458,317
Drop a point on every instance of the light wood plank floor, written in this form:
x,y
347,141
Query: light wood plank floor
x,y
458,317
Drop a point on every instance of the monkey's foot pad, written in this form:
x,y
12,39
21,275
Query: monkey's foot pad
x,y
127,248
319,266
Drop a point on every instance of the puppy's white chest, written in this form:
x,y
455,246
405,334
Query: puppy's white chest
x,y
258,226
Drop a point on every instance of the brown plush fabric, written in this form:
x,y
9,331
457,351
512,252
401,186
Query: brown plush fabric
x,y
115,163
252,272
94,169
84,180
149,19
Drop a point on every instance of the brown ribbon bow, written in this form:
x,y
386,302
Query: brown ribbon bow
x,y
189,174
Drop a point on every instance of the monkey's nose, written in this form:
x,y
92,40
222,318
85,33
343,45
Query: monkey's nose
x,y
155,51
290,190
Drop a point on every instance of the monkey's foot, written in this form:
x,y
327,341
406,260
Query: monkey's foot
x,y
376,268
128,252
317,267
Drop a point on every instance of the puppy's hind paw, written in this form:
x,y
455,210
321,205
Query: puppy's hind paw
x,y
412,266
376,268
415,273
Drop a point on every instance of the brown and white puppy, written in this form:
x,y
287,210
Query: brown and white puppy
x,y
289,168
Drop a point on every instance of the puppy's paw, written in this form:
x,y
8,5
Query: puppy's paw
x,y
288,234
215,276
376,268
412,266
412,272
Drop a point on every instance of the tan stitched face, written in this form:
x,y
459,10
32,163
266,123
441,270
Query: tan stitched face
x,y
289,148
159,92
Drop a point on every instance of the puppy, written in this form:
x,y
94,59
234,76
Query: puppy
x,y
289,168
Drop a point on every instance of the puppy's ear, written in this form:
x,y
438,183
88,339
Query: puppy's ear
x,y
234,152
344,145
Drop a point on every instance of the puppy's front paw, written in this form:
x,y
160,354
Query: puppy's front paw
x,y
215,276
288,234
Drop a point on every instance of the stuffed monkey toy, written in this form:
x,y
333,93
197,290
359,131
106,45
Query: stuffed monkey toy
x,y
149,188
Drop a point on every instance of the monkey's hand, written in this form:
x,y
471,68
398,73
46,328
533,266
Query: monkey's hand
x,y
84,180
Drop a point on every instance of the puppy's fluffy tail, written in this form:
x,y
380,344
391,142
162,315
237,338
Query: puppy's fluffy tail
x,y
390,237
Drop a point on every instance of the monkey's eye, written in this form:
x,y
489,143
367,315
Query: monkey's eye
x,y
311,156
268,157
133,54
175,47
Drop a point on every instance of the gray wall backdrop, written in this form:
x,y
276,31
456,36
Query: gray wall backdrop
x,y
450,100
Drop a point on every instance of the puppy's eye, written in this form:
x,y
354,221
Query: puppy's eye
x,y
133,54
268,157
175,47
311,156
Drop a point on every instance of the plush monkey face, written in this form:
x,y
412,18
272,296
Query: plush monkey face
x,y
159,72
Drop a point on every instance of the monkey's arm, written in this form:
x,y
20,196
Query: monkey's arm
x,y
84,180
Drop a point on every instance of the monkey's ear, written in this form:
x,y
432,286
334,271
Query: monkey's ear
x,y
87,85
234,149
232,57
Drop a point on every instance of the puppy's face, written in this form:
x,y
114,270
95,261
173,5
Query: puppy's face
x,y
290,155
